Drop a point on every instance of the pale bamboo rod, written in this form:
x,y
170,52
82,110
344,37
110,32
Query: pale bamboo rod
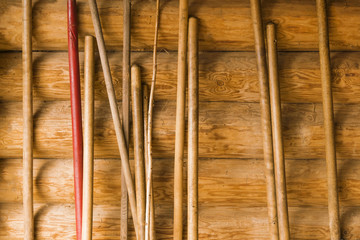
x,y
28,134
115,113
325,69
193,129
180,120
88,174
126,112
145,92
278,149
138,135
265,116
149,127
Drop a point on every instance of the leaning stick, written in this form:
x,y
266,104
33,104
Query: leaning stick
x,y
88,139
145,111
193,130
138,133
180,120
333,199
28,122
126,112
265,116
149,127
75,111
115,113
280,177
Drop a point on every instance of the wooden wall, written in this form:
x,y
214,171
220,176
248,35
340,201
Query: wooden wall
x,y
232,185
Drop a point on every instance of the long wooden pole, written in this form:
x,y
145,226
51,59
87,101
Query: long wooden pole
x,y
115,113
280,177
145,114
75,94
126,111
325,69
138,133
193,129
265,116
88,139
149,199
28,122
180,120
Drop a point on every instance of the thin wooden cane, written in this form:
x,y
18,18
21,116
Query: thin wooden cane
x,y
280,177
333,198
126,111
193,129
88,139
265,116
138,133
75,94
28,122
180,120
115,113
145,92
149,128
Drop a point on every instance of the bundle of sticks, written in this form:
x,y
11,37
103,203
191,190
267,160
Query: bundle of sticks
x,y
139,194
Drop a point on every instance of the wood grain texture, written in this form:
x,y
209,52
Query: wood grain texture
x,y
232,199
224,25
222,76
302,129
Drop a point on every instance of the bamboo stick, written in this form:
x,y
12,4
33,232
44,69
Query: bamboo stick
x,y
265,116
138,133
115,113
149,130
88,139
275,102
145,111
28,122
324,52
180,120
74,73
126,111
193,129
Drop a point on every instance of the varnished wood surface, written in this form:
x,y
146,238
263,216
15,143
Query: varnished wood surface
x,y
218,137
232,192
224,25
232,198
222,76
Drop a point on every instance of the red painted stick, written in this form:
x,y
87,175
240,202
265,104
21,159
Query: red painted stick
x,y
75,112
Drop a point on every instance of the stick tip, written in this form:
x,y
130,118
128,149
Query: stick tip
x,y
270,25
193,20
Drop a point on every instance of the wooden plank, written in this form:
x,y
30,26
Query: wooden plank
x,y
226,222
223,76
224,25
222,182
232,199
235,134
